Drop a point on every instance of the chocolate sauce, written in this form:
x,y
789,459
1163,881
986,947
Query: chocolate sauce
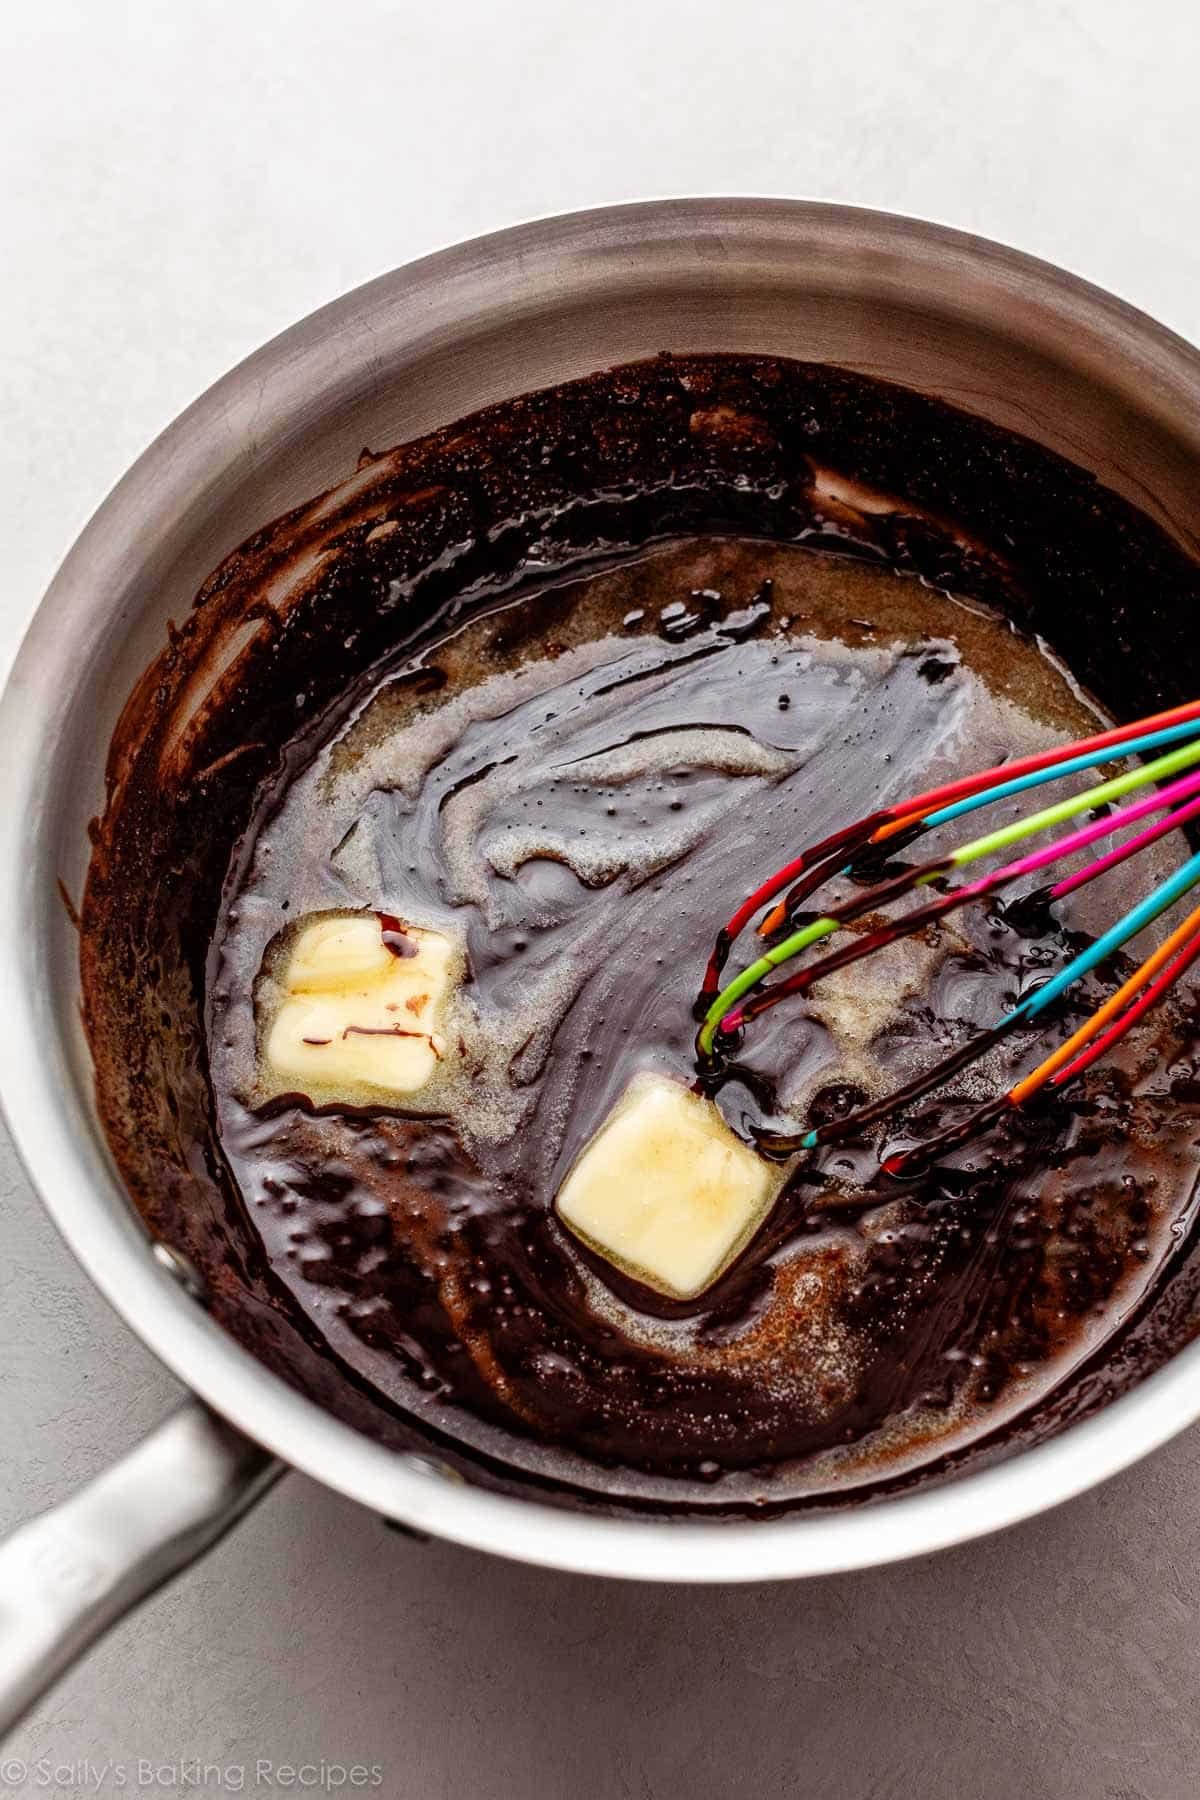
x,y
578,752
581,818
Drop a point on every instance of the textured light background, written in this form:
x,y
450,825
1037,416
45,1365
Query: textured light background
x,y
179,182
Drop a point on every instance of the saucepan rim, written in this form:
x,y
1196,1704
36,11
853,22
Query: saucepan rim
x,y
47,1116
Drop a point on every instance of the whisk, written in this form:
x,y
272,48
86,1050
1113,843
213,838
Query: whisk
x,y
860,850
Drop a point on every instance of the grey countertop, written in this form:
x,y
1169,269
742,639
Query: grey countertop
x,y
178,183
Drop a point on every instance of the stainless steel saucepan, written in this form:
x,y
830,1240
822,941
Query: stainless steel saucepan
x,y
1006,336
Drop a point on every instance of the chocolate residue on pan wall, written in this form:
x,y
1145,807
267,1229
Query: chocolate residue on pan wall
x,y
299,620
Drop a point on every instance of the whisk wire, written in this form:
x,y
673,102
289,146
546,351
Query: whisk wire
x,y
1129,926
914,817
984,886
1064,1063
1186,756
730,1007
1059,1062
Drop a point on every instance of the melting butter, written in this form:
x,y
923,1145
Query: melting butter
x,y
665,1191
358,1009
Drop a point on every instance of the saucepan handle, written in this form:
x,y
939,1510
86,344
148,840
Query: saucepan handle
x,y
68,1575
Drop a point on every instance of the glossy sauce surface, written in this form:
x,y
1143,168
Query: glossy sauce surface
x,y
582,785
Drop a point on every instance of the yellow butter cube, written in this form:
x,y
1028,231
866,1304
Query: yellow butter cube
x,y
665,1190
360,1010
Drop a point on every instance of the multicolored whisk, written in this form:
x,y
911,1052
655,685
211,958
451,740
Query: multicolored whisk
x,y
1171,740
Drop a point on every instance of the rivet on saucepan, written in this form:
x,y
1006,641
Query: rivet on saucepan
x,y
184,1271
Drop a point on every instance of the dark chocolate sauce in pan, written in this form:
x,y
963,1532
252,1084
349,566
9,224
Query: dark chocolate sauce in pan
x,y
567,680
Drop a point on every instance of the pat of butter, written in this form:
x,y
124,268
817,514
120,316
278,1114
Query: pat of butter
x,y
356,1017
665,1190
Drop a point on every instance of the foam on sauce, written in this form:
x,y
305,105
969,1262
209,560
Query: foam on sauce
x,y
580,788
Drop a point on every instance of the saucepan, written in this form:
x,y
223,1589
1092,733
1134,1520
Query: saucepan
x,y
1008,337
